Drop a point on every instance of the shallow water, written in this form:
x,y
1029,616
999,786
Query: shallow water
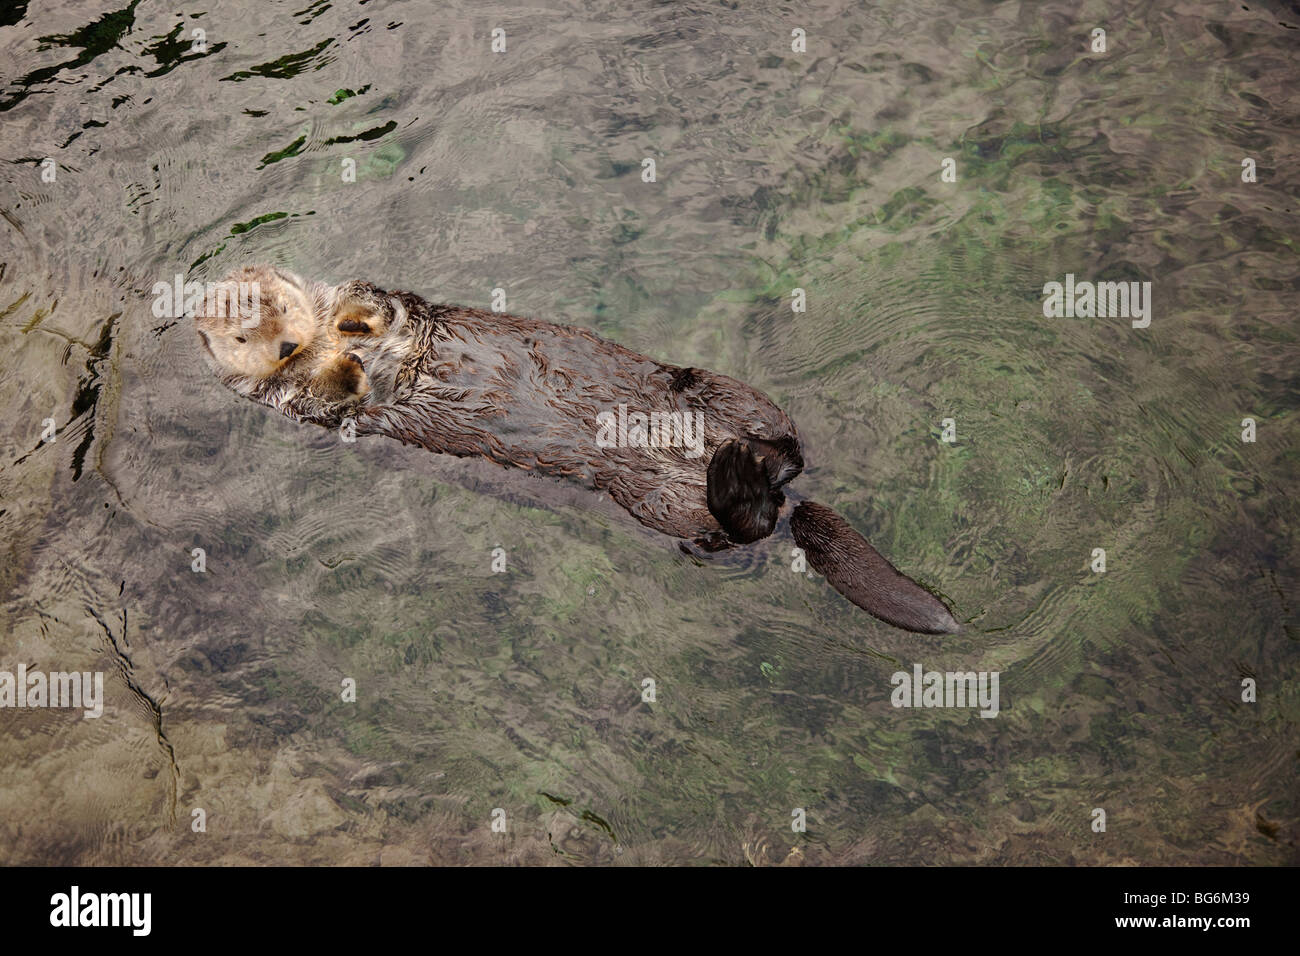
x,y
521,691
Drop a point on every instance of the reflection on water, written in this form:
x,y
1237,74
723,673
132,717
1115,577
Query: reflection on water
x,y
775,170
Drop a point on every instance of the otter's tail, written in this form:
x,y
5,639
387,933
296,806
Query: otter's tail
x,y
856,569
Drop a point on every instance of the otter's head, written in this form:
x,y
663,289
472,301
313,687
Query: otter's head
x,y
254,322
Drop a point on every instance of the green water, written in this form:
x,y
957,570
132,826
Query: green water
x,y
775,170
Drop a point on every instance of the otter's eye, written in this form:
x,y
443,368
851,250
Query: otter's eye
x,y
240,339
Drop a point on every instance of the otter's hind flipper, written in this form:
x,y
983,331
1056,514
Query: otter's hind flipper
x,y
857,570
781,457
740,492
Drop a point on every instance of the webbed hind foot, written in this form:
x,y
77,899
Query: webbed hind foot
x,y
741,495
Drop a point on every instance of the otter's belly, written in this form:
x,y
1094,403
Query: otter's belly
x,y
563,402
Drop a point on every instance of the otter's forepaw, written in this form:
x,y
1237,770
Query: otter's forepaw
x,y
343,379
362,309
355,326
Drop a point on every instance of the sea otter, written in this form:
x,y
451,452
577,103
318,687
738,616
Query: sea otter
x,y
533,395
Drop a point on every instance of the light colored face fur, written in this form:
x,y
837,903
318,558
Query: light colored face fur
x,y
259,322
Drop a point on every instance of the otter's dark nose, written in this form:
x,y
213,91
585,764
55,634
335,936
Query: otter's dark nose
x,y
287,349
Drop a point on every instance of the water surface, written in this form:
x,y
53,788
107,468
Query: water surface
x,y
775,170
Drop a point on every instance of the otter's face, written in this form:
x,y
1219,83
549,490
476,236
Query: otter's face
x,y
258,321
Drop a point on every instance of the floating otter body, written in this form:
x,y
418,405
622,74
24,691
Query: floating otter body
x,y
687,452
